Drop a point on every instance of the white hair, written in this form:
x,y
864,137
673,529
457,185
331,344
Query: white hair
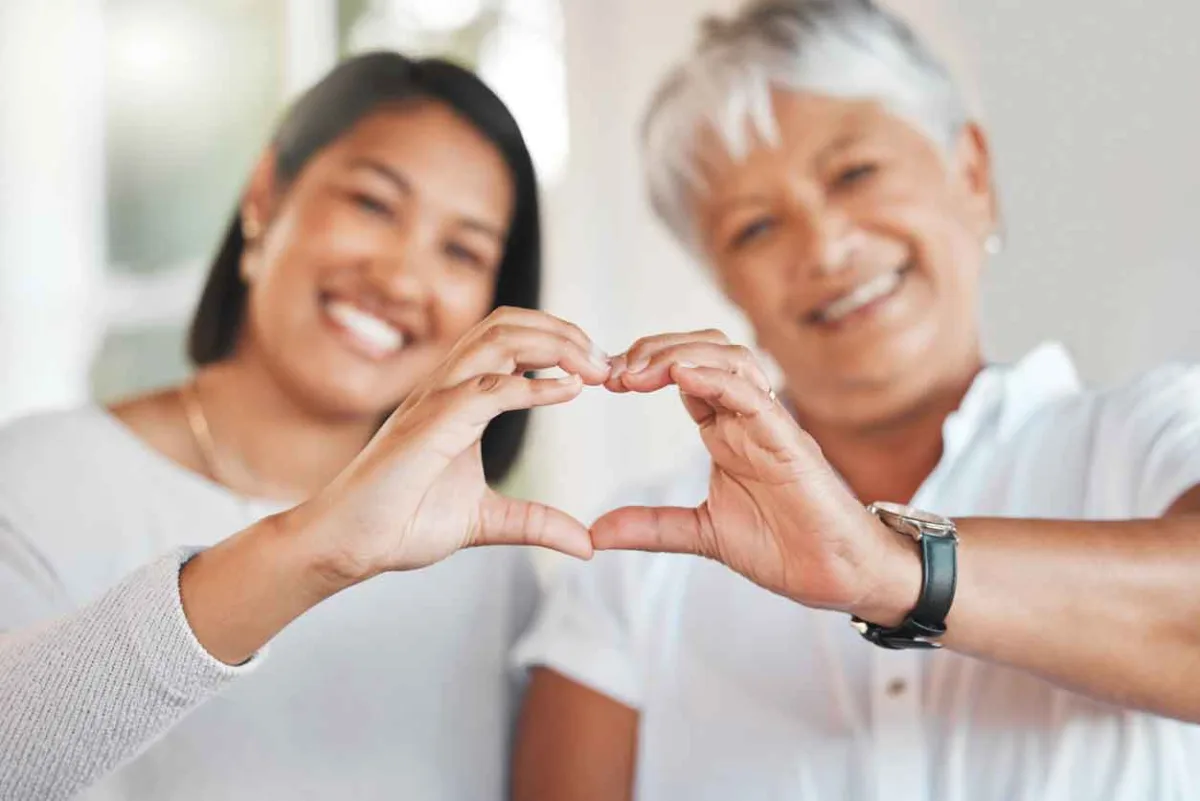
x,y
842,48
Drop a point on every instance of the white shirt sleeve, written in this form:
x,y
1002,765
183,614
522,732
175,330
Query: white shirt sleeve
x,y
1150,437
589,624
594,623
82,693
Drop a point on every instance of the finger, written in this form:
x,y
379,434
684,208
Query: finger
x,y
652,528
736,359
447,421
641,352
723,392
507,521
701,411
478,400
511,348
535,318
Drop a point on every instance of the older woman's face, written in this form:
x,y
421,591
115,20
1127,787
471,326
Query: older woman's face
x,y
854,247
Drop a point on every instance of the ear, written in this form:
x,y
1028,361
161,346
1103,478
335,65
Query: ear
x,y
973,163
257,208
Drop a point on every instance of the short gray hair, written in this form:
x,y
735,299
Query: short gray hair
x,y
844,48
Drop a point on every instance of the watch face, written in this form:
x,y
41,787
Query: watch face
x,y
933,524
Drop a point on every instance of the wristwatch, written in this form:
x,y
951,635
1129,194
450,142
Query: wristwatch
x,y
938,539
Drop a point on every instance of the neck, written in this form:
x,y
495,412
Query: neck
x,y
889,460
268,445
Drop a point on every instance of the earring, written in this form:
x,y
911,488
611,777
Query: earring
x,y
251,228
993,245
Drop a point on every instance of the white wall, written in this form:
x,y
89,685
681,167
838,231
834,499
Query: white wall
x,y
1094,111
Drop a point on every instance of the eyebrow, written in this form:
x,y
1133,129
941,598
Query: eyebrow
x,y
726,205
379,168
841,143
401,182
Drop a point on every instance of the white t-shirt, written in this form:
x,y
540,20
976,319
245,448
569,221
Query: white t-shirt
x,y
746,695
397,688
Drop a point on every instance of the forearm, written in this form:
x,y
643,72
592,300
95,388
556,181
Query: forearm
x,y
82,694
1111,610
239,594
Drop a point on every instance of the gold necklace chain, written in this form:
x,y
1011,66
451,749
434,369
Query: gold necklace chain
x,y
197,420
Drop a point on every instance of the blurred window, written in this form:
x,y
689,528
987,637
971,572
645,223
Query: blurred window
x,y
193,89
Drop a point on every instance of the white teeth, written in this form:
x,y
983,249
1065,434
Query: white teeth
x,y
377,334
863,294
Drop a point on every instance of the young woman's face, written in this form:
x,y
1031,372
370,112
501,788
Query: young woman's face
x,y
854,247
382,252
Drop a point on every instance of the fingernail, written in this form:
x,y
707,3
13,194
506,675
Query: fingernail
x,y
685,365
568,379
618,368
639,365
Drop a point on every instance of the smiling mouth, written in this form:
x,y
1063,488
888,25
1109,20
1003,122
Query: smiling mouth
x,y
367,333
866,294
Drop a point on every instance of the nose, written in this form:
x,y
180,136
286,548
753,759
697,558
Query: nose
x,y
828,240
399,272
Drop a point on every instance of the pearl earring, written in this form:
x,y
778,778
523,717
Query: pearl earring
x,y
993,245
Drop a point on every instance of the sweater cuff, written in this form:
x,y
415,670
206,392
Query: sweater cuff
x,y
176,660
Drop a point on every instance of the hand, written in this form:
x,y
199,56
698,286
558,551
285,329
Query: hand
x,y
776,511
417,493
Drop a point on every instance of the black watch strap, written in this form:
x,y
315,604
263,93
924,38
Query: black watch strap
x,y
927,621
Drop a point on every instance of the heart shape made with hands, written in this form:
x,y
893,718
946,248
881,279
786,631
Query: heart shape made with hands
x,y
776,511
754,444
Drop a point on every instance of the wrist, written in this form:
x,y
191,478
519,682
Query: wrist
x,y
240,593
322,569
894,586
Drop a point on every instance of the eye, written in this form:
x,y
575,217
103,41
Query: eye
x,y
370,204
752,231
465,256
855,175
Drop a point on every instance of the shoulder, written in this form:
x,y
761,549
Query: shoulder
x,y
92,499
1143,407
54,462
1139,440
48,441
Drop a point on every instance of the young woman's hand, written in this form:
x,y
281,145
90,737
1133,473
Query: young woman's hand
x,y
417,492
414,496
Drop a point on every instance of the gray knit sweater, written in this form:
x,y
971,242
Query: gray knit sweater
x,y
84,693
397,688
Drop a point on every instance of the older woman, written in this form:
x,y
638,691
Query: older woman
x,y
819,160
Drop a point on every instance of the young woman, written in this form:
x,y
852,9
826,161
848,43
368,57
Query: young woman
x,y
819,161
393,211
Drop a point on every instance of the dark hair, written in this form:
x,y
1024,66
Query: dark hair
x,y
354,89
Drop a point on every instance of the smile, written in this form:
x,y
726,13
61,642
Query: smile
x,y
864,295
370,335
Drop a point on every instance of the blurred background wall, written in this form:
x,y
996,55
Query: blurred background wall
x,y
127,127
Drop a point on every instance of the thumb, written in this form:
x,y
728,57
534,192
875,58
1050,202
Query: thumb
x,y
507,521
667,529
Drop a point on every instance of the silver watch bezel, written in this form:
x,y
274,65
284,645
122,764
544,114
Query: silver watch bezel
x,y
914,522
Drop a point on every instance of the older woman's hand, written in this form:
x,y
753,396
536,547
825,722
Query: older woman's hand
x,y
776,511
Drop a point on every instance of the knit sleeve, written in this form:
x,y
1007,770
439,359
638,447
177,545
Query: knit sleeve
x,y
84,692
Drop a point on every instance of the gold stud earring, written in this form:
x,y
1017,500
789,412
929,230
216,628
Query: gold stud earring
x,y
251,228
